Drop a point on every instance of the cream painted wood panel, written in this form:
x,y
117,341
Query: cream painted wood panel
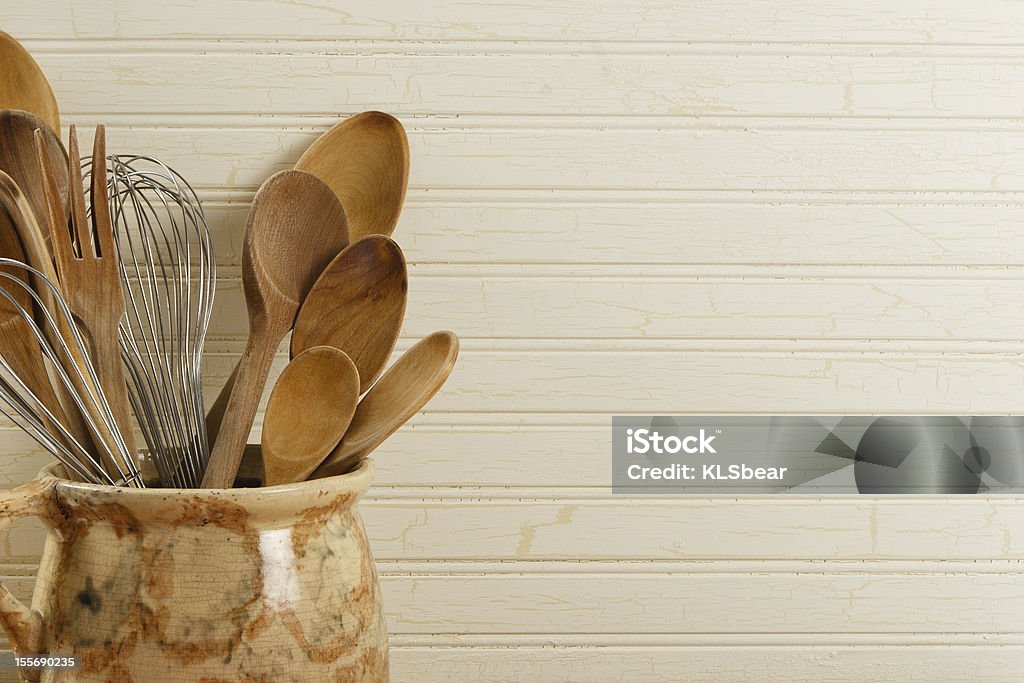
x,y
801,663
649,206
628,529
677,302
723,378
699,603
681,229
911,22
569,377
528,155
652,604
613,81
410,526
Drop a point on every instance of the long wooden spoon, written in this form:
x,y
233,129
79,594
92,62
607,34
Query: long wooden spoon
x,y
296,226
365,160
309,410
401,392
23,85
19,160
357,306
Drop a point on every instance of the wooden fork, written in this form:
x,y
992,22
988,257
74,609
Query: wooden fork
x,y
87,266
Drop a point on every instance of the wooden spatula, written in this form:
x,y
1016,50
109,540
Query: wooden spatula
x,y
87,265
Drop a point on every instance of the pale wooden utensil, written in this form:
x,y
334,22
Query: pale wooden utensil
x,y
357,305
296,226
23,84
309,410
87,265
18,346
401,392
17,215
365,160
19,160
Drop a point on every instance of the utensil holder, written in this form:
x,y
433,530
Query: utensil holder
x,y
170,585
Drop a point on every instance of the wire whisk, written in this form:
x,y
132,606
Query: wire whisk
x,y
65,353
168,271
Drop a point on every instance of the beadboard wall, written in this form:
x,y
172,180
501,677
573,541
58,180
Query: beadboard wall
x,y
667,206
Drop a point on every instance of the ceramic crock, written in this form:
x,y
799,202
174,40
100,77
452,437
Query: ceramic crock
x,y
245,584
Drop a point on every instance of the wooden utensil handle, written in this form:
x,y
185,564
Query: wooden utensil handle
x,y
28,364
106,356
250,378
215,416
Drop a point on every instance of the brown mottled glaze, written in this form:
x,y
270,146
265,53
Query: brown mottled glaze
x,y
245,584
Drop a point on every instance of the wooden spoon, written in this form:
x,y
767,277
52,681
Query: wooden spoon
x,y
19,160
310,408
23,85
357,306
16,211
296,226
215,415
18,346
17,215
401,392
365,160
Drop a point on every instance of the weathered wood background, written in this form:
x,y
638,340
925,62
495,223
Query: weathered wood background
x,y
628,207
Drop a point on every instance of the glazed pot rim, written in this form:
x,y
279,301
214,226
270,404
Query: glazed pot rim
x,y
355,482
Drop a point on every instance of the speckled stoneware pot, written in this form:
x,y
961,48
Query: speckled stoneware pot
x,y
246,584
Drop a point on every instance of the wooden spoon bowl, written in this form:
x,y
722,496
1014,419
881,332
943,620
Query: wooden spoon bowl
x,y
309,410
19,160
17,345
357,305
403,390
23,84
365,160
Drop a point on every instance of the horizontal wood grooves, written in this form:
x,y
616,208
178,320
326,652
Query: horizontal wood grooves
x,y
442,527
664,207
911,22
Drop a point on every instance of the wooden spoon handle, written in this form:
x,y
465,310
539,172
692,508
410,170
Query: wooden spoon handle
x,y
240,411
215,416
